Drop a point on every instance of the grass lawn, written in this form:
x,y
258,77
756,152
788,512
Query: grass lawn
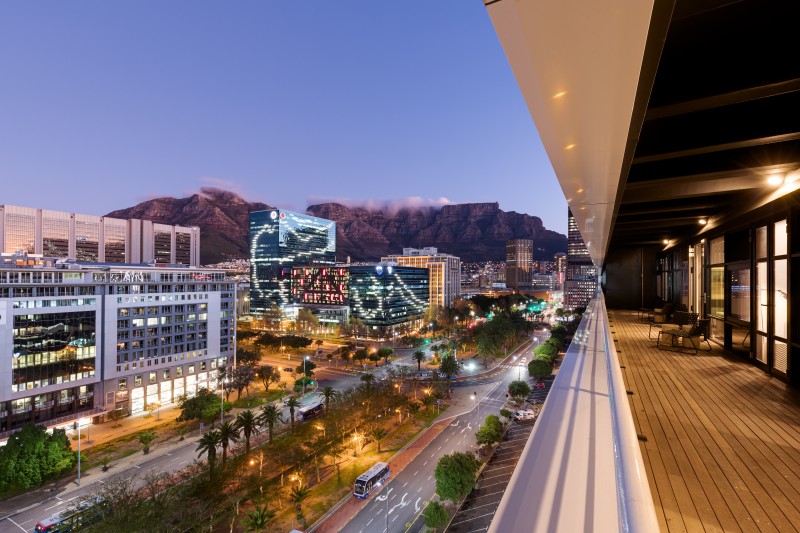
x,y
127,445
259,398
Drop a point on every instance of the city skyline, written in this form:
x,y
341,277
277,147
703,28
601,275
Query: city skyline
x,y
258,99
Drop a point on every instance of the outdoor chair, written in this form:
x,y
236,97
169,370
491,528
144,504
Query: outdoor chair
x,y
679,320
661,315
690,338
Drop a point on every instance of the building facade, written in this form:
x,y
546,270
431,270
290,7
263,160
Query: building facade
x,y
320,285
519,264
560,270
79,340
444,269
580,282
89,238
279,241
386,295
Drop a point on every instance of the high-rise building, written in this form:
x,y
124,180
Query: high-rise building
x,y
386,295
279,241
89,238
580,281
80,339
444,269
560,270
519,264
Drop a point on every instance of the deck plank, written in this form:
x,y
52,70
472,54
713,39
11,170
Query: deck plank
x,y
723,437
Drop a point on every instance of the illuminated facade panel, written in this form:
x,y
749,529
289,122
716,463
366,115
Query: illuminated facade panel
x,y
581,275
326,285
386,294
115,238
444,271
55,233
279,241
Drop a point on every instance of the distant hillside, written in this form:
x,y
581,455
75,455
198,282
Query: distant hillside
x,y
474,232
222,216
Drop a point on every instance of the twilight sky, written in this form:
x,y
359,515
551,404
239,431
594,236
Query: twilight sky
x,y
105,104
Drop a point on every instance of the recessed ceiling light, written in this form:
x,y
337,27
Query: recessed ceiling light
x,y
579,191
775,179
569,147
665,241
559,94
702,222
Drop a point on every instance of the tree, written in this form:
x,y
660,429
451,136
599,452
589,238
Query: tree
x,y
436,516
546,352
270,415
207,445
306,368
115,416
306,321
449,367
145,439
490,432
378,434
419,357
337,454
518,389
32,456
385,353
540,369
258,518
242,377
319,343
205,406
297,496
368,379
247,424
329,393
345,354
455,475
360,355
247,356
268,375
228,433
374,357
151,408
292,404
505,413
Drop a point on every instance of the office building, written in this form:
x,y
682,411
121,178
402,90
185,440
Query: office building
x,y
320,285
444,269
92,238
519,264
279,241
580,281
81,339
560,270
242,299
386,295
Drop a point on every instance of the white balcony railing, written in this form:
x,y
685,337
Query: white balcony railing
x,y
581,469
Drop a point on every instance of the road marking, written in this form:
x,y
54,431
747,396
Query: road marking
x,y
19,526
429,477
416,504
370,521
404,484
415,473
426,462
439,448
432,455
419,489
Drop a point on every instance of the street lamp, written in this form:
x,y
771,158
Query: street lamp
x,y
77,426
223,382
260,468
304,373
320,427
399,415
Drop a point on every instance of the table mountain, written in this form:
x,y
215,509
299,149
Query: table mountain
x,y
222,216
474,232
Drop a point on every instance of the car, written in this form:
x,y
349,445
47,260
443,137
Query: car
x,y
524,414
288,369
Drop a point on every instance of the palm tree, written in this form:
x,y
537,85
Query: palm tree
x,y
145,439
208,445
419,357
247,423
228,432
378,434
329,393
258,519
297,496
368,379
270,415
292,404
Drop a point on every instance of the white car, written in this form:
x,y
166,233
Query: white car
x,y
524,414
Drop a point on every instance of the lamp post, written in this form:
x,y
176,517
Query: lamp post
x,y
304,374
260,469
223,382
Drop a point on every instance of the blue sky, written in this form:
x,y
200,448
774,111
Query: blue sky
x,y
105,104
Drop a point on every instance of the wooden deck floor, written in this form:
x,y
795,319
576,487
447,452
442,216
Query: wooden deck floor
x,y
723,437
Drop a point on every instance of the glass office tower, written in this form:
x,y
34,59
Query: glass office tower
x,y
280,240
386,294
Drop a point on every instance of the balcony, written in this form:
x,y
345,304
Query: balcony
x,y
633,438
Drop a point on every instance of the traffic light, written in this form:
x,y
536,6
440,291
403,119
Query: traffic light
x,y
427,341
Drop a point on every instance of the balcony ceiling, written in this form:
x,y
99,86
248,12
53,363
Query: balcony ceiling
x,y
711,113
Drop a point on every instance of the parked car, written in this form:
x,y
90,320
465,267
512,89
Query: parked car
x,y
288,369
524,414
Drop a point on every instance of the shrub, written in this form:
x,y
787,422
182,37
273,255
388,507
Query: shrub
x,y
540,369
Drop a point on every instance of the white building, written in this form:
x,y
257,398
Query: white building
x,y
445,272
79,340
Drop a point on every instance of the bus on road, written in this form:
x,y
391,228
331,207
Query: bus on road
x,y
310,411
370,479
74,518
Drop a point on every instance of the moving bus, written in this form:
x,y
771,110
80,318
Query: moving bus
x,y
371,478
73,518
310,411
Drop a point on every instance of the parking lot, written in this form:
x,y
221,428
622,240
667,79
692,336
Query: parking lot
x,y
479,508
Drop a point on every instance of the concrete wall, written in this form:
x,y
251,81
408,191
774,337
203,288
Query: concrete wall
x,y
630,277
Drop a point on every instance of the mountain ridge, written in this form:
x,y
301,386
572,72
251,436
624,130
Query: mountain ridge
x,y
474,232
